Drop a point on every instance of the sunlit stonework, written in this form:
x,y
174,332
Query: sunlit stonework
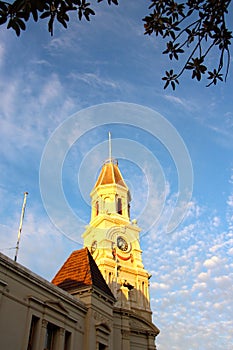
x,y
98,299
113,239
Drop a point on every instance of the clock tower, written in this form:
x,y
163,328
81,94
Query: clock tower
x,y
113,240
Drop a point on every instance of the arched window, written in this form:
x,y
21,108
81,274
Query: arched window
x,y
143,287
97,208
119,206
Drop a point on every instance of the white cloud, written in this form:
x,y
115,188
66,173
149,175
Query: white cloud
x,y
177,100
230,251
182,102
195,297
191,293
158,286
199,286
216,221
94,80
230,201
51,90
61,42
223,282
212,262
41,247
2,53
8,93
204,276
216,247
193,209
225,241
231,178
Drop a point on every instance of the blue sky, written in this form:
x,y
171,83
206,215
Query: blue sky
x,y
44,81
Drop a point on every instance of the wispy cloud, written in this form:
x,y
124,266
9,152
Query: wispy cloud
x,y
186,276
94,80
42,248
2,53
44,82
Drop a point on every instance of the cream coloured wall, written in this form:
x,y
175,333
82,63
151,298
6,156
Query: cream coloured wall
x,y
24,295
88,317
120,264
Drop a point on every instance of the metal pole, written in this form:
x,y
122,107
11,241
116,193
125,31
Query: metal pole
x,y
20,225
110,146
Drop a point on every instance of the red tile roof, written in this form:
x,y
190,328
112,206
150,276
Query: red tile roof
x,y
80,270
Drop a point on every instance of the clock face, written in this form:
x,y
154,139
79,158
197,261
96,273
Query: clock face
x,y
122,244
93,246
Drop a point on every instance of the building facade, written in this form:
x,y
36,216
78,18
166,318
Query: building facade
x,y
35,314
98,300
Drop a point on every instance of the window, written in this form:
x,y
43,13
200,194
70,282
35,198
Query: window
x,y
102,336
109,277
50,337
32,334
97,208
67,340
119,206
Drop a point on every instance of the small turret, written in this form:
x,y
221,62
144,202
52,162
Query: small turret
x,y
110,194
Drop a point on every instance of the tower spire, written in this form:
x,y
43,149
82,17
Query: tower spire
x,y
109,146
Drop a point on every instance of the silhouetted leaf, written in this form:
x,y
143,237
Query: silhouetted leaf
x,y
62,21
45,14
191,29
21,24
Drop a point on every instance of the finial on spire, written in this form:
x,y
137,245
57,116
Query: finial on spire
x,y
110,146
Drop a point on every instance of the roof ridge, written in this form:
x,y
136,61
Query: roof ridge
x,y
113,172
120,175
97,277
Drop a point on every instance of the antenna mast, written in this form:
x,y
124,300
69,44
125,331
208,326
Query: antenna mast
x,y
110,146
20,225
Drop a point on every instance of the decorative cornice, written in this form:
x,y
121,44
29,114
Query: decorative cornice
x,y
101,319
